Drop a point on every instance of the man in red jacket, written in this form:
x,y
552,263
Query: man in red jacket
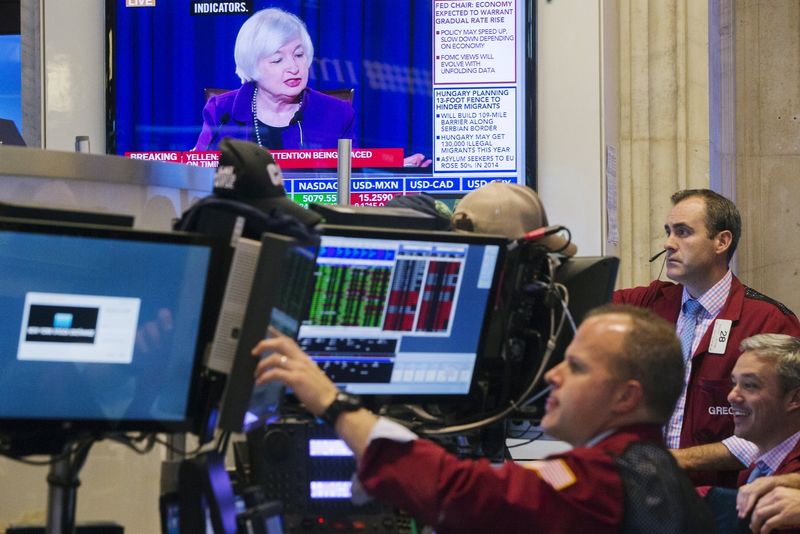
x,y
616,387
713,313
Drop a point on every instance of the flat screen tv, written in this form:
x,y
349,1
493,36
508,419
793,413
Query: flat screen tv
x,y
103,328
400,315
446,82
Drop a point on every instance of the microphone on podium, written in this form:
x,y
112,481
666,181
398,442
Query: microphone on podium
x,y
223,120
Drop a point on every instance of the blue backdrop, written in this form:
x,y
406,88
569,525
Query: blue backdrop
x,y
10,79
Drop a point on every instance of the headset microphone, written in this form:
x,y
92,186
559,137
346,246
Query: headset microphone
x,y
656,256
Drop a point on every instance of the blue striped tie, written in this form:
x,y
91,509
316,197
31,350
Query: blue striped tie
x,y
760,470
691,311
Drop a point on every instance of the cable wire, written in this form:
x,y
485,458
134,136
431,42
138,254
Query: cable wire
x,y
552,342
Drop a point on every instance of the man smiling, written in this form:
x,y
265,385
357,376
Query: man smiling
x,y
765,401
713,312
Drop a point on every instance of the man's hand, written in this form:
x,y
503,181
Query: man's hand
x,y
416,160
780,508
750,493
288,364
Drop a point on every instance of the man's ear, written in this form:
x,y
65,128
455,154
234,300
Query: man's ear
x,y
629,396
793,400
723,241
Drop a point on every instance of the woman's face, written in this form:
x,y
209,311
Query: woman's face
x,y
284,74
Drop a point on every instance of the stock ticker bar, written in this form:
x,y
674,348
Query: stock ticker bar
x,y
364,191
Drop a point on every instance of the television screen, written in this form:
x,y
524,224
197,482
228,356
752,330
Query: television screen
x,y
434,94
401,313
102,328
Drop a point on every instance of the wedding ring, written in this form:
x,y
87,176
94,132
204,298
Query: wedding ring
x,y
283,361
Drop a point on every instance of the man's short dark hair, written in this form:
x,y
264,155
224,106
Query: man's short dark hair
x,y
721,214
651,355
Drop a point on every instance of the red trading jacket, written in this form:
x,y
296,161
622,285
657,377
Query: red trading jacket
x,y
578,491
790,464
707,417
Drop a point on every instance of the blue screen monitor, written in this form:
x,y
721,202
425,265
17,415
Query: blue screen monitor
x,y
401,314
103,328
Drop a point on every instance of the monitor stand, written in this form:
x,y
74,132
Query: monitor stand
x,y
62,484
206,487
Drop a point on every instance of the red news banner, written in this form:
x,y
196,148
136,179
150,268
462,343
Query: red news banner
x,y
287,159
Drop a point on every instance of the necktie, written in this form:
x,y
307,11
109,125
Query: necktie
x,y
760,470
691,311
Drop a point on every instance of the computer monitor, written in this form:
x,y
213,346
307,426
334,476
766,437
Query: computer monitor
x,y
103,328
400,314
269,285
533,328
384,217
590,282
45,213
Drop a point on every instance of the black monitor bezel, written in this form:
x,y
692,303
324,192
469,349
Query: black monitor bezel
x,y
264,292
73,216
376,400
61,427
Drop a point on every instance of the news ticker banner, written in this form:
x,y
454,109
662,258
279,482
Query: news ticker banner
x,y
286,159
364,191
475,86
379,191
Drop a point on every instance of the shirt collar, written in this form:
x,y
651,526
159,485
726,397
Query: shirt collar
x,y
714,299
773,457
600,437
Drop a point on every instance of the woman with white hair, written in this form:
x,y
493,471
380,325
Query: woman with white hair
x,y
274,107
